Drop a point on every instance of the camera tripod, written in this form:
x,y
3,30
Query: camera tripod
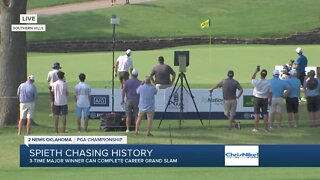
x,y
182,77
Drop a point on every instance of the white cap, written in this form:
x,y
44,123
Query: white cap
x,y
31,77
135,72
275,72
299,50
293,72
128,52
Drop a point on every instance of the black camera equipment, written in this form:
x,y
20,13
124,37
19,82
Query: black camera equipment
x,y
181,59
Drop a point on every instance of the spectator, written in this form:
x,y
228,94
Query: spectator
x,y
132,98
292,101
162,73
262,93
27,93
60,92
124,65
285,72
82,95
53,77
229,88
280,89
147,94
311,90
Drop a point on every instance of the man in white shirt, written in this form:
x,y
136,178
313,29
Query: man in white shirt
x,y
82,95
60,105
53,77
123,67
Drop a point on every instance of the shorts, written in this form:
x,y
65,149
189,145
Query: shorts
x,y
230,107
149,115
27,110
292,104
85,110
163,86
260,103
123,76
57,110
313,103
276,105
132,107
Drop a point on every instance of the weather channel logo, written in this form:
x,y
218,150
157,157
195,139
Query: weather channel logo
x,y
241,155
100,100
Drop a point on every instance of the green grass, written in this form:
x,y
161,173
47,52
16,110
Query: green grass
x,y
208,65
46,3
172,18
98,67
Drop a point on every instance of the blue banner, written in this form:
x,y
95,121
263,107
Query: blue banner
x,y
169,155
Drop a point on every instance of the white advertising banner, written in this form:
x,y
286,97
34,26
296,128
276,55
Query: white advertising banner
x,y
101,102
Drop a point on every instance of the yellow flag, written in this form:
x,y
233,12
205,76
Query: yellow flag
x,y
205,24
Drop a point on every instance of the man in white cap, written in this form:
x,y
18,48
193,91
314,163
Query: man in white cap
x,y
27,93
280,90
300,65
292,101
123,67
129,92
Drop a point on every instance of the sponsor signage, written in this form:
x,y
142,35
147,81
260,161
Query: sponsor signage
x,y
241,155
101,103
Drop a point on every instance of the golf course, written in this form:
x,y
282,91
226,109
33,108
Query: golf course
x,y
209,64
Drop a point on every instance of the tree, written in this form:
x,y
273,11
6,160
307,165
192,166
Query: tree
x,y
13,60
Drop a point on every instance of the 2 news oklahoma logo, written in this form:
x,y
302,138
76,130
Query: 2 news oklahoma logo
x,y
241,155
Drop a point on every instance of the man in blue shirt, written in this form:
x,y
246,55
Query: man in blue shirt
x,y
280,89
147,94
27,93
292,101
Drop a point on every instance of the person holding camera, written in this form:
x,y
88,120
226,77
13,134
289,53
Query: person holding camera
x,y
262,94
160,75
229,90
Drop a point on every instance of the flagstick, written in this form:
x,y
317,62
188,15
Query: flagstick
x,y
210,56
